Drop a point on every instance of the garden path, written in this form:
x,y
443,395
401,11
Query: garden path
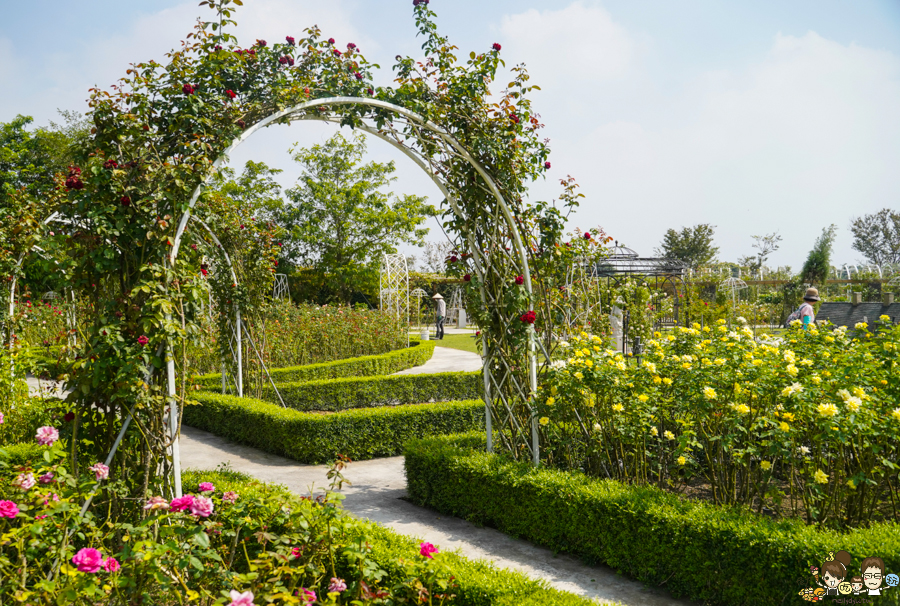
x,y
378,493
446,359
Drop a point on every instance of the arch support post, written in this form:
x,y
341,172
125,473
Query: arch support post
x,y
239,378
173,419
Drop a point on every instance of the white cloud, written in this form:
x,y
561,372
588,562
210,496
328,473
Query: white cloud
x,y
803,137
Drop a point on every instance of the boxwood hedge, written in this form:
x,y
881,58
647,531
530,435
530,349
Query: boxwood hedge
x,y
318,437
479,583
367,392
715,554
365,366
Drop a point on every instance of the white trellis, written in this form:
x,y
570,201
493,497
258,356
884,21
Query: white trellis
x,y
455,306
734,285
418,293
280,290
394,289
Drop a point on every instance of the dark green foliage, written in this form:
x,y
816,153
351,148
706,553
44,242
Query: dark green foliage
x,y
316,438
694,549
368,392
21,454
366,366
693,245
818,263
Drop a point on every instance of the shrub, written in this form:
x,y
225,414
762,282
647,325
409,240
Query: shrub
x,y
22,418
722,555
315,438
291,335
366,392
366,366
802,425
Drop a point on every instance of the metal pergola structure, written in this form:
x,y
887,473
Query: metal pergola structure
x,y
280,290
394,289
623,263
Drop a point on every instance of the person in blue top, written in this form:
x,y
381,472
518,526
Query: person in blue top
x,y
807,313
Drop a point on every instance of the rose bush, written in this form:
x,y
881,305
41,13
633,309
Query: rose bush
x,y
804,426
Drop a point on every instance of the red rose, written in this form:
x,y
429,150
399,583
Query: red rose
x,y
231,94
110,164
125,200
188,89
241,123
286,60
528,317
587,236
331,41
514,118
260,43
453,259
370,91
142,340
546,165
358,76
336,52
496,46
290,40
520,280
70,416
467,277
351,46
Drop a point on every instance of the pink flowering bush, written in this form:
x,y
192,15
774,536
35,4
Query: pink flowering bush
x,y
242,546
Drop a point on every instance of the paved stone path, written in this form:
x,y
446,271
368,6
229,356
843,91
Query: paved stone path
x,y
377,493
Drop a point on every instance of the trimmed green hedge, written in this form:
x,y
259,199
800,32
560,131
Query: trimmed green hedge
x,y
316,438
366,366
716,554
368,392
21,455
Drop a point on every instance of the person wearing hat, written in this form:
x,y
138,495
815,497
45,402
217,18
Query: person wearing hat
x,y
441,311
807,313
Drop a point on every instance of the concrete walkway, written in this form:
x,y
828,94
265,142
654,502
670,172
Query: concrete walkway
x,y
377,493
446,359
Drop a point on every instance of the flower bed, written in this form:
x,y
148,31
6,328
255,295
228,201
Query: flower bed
x,y
721,555
808,427
315,438
365,366
367,392
230,540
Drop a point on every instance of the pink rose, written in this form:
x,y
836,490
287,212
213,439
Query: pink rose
x,y
182,503
8,509
24,481
88,560
101,471
46,478
1,418
142,340
47,435
229,497
337,585
206,487
308,595
154,503
110,564
202,507
241,599
426,549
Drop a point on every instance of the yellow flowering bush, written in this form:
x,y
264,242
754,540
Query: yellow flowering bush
x,y
806,424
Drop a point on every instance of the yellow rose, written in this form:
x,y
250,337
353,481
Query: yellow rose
x,y
827,409
551,401
643,397
851,483
821,477
681,460
578,376
785,427
654,431
766,466
668,435
709,393
543,420
667,380
618,407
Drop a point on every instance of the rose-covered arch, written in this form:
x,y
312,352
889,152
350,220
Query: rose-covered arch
x,y
164,132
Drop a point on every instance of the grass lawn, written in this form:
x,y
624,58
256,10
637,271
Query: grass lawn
x,y
463,342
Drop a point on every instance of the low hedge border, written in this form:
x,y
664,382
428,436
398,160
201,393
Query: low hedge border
x,y
480,583
416,354
316,438
719,555
368,392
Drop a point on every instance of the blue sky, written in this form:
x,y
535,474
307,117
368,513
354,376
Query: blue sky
x,y
755,116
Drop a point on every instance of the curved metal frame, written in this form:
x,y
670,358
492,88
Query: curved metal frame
x,y
446,149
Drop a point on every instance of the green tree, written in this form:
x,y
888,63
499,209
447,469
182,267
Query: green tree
x,y
340,222
818,263
765,246
877,236
693,245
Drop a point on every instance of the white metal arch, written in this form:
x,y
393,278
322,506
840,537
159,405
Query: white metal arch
x,y
424,130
